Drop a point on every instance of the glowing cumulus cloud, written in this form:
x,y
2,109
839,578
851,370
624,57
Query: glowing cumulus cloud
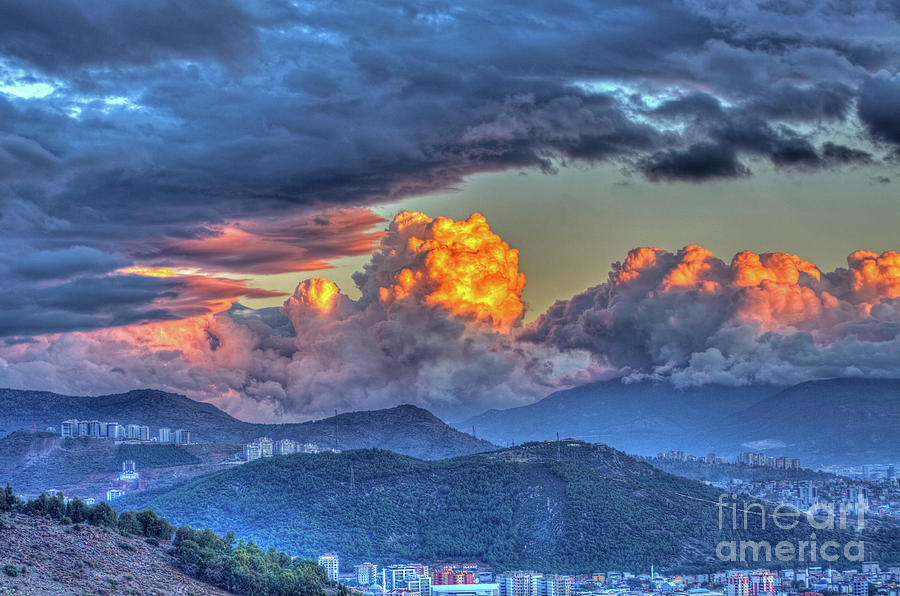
x,y
438,322
462,266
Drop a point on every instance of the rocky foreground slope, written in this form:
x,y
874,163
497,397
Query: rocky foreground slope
x,y
39,556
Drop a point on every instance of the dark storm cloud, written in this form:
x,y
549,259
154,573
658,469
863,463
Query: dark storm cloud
x,y
879,102
162,122
63,263
93,302
703,161
59,35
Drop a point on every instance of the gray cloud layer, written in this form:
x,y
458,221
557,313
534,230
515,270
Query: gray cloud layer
x,y
167,122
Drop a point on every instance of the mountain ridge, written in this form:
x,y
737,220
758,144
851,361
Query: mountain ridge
x,y
405,428
647,418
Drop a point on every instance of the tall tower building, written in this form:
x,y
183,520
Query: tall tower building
x,y
737,584
762,582
331,563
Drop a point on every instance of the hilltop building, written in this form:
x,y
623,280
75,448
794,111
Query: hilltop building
x,y
137,432
284,447
129,471
68,429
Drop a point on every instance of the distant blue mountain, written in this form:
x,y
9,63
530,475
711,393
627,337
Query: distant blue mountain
x,y
827,421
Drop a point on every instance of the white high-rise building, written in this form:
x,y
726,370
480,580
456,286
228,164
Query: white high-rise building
x,y
414,578
114,430
69,429
520,583
251,451
554,585
284,447
165,435
366,574
331,563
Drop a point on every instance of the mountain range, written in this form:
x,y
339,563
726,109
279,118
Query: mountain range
x,y
557,506
404,429
836,421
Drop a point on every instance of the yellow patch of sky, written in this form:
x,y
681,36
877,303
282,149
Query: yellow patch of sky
x,y
569,227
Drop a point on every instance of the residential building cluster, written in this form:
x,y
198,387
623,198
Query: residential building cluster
x,y
747,458
370,579
879,497
864,472
677,455
95,429
529,583
266,447
414,579
806,581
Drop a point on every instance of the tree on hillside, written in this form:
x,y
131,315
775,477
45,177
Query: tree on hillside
x,y
129,523
77,511
154,526
7,499
102,514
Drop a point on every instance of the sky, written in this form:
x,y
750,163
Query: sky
x,y
171,171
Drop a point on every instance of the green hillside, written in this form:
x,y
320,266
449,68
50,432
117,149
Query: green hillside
x,y
570,507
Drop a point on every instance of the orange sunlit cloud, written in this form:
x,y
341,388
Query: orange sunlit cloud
x,y
750,268
690,272
307,242
875,275
316,292
772,289
148,271
467,268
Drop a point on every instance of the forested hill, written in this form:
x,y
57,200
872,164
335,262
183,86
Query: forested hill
x,y
567,506
405,429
